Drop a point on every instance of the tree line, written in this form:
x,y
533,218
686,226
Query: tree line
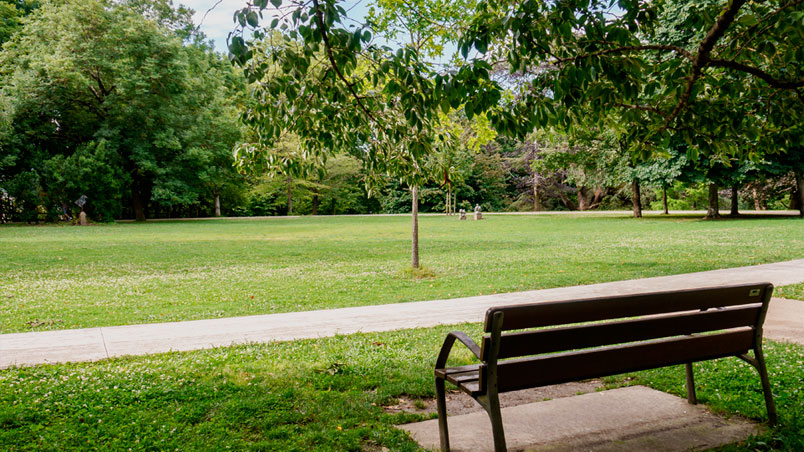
x,y
662,105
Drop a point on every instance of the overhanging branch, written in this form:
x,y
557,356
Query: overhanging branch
x,y
759,73
701,59
319,19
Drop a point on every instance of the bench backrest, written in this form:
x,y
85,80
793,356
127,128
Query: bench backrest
x,y
629,333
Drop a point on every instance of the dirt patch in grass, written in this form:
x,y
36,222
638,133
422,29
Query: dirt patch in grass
x,y
459,403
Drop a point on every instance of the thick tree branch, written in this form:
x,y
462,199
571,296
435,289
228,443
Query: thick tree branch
x,y
701,59
759,73
626,49
319,19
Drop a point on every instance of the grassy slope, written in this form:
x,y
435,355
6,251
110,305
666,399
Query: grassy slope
x,y
137,273
323,395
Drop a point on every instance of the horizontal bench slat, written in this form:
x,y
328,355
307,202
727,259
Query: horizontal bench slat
x,y
606,308
561,368
526,343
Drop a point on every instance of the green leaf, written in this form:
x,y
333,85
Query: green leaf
x,y
252,19
276,3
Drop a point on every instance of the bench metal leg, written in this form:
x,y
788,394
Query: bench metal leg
x,y
766,388
495,415
441,401
691,398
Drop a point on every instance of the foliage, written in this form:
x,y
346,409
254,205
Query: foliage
x,y
84,72
91,170
12,12
723,88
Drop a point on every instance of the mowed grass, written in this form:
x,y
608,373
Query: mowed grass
x,y
795,292
322,395
56,277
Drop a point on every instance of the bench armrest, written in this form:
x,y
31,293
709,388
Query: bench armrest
x,y
449,341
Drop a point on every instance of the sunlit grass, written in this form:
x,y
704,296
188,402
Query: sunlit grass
x,y
795,291
72,277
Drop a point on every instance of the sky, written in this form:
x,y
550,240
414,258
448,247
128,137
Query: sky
x,y
218,22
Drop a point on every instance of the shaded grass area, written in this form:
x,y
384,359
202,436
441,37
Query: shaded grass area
x,y
56,277
323,395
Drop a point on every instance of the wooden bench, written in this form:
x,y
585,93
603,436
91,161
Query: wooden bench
x,y
629,333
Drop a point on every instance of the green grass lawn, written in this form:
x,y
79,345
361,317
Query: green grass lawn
x,y
323,395
795,291
129,273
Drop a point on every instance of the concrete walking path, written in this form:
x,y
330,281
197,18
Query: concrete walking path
x,y
785,319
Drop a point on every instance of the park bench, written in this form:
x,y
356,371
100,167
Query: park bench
x,y
533,345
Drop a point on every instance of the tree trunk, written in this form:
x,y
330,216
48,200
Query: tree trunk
x,y
414,249
636,199
712,210
217,204
664,201
290,196
139,207
800,187
315,204
757,205
735,201
449,199
537,204
583,203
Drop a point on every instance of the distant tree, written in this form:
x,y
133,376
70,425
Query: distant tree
x,y
159,105
662,172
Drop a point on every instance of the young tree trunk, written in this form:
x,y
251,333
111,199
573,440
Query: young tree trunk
x,y
664,201
712,210
414,249
800,187
290,196
757,205
315,204
735,201
217,204
636,199
449,199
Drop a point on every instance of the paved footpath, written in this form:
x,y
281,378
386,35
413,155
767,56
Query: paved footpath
x,y
785,319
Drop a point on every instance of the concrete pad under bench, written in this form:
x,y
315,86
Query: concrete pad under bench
x,y
635,418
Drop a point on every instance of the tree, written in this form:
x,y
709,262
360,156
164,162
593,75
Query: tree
x,y
591,161
662,171
582,58
338,92
158,105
